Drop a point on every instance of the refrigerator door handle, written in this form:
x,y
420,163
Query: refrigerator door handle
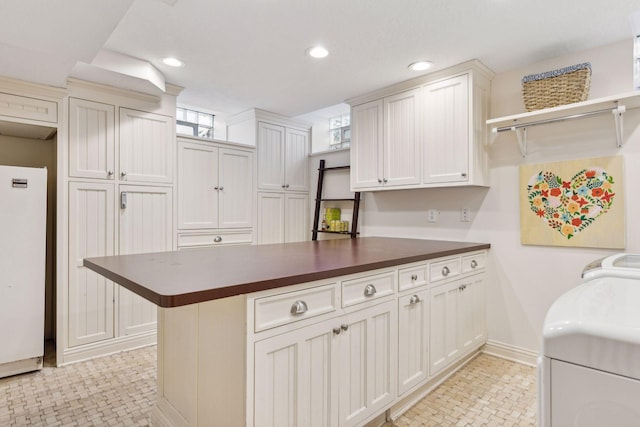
x,y
123,200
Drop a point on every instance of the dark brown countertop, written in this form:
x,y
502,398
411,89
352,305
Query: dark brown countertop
x,y
172,279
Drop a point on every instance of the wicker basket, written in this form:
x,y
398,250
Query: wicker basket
x,y
558,87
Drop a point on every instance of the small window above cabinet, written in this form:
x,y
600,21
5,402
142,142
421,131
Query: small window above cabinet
x,y
423,133
616,105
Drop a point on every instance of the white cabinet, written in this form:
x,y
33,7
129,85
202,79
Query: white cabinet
x,y
91,139
425,132
413,339
142,232
386,149
283,218
215,186
146,146
457,322
91,234
282,158
27,108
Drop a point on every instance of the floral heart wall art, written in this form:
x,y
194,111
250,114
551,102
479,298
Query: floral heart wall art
x,y
570,206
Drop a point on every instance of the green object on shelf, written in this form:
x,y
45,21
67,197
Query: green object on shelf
x,y
331,214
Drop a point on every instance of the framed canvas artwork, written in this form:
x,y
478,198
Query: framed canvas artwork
x,y
577,203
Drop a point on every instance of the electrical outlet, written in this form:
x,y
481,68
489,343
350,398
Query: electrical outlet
x,y
465,214
432,215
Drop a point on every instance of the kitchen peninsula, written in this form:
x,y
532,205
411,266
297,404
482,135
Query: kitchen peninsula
x,y
327,333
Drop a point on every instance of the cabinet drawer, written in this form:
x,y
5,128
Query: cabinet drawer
x,y
214,239
473,262
445,269
291,307
412,277
367,288
28,108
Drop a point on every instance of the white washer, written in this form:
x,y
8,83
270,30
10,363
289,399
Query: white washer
x,y
589,369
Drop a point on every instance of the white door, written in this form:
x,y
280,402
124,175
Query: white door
x,y
367,362
91,139
366,145
296,218
296,160
236,188
472,322
293,378
146,146
91,234
413,338
271,218
145,226
402,139
197,186
270,156
443,325
446,131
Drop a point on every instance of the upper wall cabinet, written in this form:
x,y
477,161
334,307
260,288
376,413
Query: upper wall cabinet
x,y
91,139
282,158
422,133
146,146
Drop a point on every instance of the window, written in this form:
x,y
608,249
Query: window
x,y
194,123
340,131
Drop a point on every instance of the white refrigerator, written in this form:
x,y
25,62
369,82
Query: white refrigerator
x,y
23,219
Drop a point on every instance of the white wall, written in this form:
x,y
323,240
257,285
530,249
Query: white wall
x,y
523,281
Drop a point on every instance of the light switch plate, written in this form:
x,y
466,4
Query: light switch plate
x,y
465,214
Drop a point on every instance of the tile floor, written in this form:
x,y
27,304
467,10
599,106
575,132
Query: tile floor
x,y
119,390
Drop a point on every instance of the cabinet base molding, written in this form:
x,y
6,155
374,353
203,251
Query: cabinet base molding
x,y
164,414
510,352
104,348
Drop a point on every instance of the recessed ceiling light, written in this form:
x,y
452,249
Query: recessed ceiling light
x,y
317,52
173,62
421,65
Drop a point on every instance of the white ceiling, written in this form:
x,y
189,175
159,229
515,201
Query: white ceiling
x,y
241,54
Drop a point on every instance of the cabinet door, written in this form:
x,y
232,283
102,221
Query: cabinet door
x,y
367,363
296,160
443,327
197,186
472,322
413,337
446,131
296,218
91,234
402,139
236,189
293,378
270,157
146,146
271,218
91,139
145,226
366,145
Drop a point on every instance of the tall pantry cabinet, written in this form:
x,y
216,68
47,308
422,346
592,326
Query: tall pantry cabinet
x,y
282,151
120,183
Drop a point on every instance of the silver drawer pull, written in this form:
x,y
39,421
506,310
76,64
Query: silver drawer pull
x,y
299,307
445,271
217,239
414,300
474,263
414,277
344,327
337,330
462,287
369,291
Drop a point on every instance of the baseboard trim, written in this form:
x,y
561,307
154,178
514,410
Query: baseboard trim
x,y
116,345
510,352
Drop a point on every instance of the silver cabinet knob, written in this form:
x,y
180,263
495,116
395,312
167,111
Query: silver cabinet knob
x,y
282,185
384,179
474,263
110,174
123,174
344,327
414,277
221,188
286,186
337,330
414,300
299,307
217,239
445,271
379,181
463,174
216,188
370,290
462,287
